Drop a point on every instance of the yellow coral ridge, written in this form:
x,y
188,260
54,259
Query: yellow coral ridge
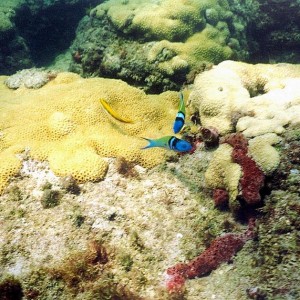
x,y
181,29
222,172
64,123
266,156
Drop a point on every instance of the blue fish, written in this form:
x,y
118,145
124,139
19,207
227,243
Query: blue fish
x,y
171,143
179,120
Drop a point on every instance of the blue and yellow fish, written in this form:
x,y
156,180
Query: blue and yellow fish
x,y
171,143
179,120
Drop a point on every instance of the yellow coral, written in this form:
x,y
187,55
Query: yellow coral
x,y
83,163
207,45
266,156
222,173
180,28
64,122
10,166
157,20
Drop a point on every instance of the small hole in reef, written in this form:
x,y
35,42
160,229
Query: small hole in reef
x,y
220,88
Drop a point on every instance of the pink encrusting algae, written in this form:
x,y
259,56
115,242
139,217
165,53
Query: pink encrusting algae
x,y
221,250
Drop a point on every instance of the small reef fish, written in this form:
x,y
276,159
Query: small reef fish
x,y
179,120
171,143
113,113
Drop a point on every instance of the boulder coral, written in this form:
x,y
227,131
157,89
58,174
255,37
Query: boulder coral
x,y
156,20
65,124
253,99
259,101
208,45
223,172
157,40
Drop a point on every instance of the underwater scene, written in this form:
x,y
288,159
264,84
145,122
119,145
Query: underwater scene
x,y
149,149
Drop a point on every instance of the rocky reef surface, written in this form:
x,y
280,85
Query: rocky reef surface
x,y
115,40
219,222
154,45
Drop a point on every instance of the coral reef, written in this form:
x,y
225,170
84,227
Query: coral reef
x,y
223,172
155,45
127,215
14,52
210,137
275,32
220,197
50,31
252,179
67,126
259,101
261,150
254,99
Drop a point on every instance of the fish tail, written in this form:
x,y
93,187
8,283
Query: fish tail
x,y
151,144
181,103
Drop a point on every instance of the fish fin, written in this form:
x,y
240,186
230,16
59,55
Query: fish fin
x,y
113,113
149,145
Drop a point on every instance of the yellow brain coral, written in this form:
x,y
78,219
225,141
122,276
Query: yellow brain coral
x,y
64,123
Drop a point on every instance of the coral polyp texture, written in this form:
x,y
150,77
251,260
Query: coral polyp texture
x,y
65,124
253,99
161,19
190,31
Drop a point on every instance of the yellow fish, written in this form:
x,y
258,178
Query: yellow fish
x,y
114,113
